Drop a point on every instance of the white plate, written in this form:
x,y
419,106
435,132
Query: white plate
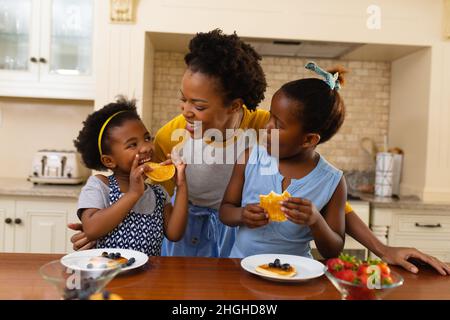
x,y
141,258
306,268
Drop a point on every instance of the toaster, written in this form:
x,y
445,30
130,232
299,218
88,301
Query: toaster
x,y
58,167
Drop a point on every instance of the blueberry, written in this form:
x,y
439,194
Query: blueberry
x,y
70,294
277,263
271,265
131,261
111,255
105,254
83,295
87,283
89,266
106,295
117,255
285,266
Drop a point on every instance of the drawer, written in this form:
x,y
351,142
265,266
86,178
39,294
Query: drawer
x,y
444,256
423,242
423,224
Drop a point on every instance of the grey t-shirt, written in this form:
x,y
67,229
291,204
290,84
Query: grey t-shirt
x,y
95,194
210,167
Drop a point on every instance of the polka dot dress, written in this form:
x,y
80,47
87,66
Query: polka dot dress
x,y
140,232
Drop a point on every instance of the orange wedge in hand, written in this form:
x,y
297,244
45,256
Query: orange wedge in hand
x,y
271,202
160,172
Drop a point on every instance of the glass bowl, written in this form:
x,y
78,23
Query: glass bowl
x,y
368,291
77,278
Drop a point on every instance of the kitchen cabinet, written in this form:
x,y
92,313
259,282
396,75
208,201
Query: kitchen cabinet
x,y
426,230
353,247
47,48
6,219
36,225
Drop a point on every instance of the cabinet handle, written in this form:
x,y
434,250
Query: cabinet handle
x,y
42,60
437,225
8,220
17,221
33,59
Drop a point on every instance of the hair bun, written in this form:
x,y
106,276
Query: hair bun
x,y
341,71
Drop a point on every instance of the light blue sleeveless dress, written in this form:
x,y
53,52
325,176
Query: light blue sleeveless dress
x,y
261,177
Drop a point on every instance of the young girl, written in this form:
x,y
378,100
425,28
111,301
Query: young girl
x,y
121,211
305,112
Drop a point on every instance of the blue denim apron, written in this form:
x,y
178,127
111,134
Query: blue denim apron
x,y
205,236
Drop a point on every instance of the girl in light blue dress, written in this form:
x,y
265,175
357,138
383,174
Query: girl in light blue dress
x,y
303,114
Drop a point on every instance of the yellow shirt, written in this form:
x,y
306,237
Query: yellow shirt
x,y
163,143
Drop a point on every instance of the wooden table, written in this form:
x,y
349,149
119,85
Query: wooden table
x,y
176,278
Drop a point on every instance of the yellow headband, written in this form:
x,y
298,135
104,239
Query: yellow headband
x,y
103,129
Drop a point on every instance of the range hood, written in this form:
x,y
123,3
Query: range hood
x,y
179,42
310,49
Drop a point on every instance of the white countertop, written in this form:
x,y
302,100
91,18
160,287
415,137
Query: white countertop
x,y
403,202
22,187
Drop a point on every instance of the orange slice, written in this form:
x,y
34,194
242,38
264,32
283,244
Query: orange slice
x,y
271,202
160,172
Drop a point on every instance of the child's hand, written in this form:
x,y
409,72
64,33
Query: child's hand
x,y
300,211
180,178
137,177
253,216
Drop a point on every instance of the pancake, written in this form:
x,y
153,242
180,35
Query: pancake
x,y
276,271
271,202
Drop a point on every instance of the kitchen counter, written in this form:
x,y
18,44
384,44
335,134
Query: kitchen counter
x,y
181,278
403,202
22,187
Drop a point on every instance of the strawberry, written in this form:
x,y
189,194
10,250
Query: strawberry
x,y
358,293
350,262
386,279
384,268
362,279
346,275
335,264
362,269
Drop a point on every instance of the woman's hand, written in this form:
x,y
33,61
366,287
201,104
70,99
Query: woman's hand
x,y
79,239
300,211
399,256
253,216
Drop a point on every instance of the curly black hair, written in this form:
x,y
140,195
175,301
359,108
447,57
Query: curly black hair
x,y
87,140
233,62
321,109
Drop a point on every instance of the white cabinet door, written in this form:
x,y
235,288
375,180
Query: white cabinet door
x,y
42,227
19,39
71,218
6,225
47,48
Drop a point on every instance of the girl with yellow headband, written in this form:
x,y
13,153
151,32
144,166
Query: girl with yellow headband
x,y
121,211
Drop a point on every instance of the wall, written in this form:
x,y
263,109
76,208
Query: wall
x,y
328,20
408,115
366,95
29,125
437,185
